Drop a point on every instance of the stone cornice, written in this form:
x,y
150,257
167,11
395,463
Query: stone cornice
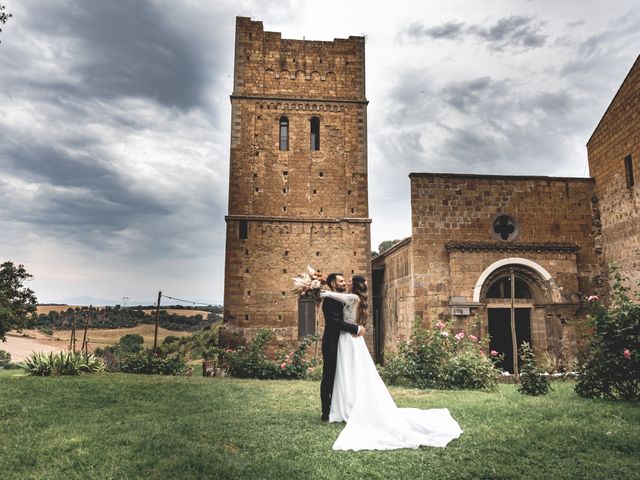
x,y
510,247
262,218
293,99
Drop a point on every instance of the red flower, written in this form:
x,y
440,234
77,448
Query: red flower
x,y
627,354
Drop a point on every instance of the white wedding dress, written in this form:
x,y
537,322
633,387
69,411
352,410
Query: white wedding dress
x,y
360,398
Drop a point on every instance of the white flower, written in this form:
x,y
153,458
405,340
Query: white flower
x,y
311,270
315,284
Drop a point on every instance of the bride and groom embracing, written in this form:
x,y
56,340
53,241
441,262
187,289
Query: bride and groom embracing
x,y
352,391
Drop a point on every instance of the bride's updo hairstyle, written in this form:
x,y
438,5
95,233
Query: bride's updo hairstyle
x,y
359,287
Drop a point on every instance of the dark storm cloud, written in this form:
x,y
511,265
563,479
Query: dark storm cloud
x,y
75,188
510,32
129,48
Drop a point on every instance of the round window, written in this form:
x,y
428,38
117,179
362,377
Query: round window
x,y
505,228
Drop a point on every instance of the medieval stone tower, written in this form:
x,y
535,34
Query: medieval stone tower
x,y
298,176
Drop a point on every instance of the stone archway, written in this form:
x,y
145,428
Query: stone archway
x,y
515,292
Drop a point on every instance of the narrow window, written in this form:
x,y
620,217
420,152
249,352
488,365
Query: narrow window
x,y
284,133
628,168
306,317
244,229
315,133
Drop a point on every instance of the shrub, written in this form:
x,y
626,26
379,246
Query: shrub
x,y
46,330
145,361
610,368
532,382
131,342
438,358
5,358
70,363
251,361
295,364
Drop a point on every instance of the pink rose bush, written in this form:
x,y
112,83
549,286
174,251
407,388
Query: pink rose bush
x,y
441,357
610,367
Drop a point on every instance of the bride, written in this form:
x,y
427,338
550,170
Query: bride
x,y
360,397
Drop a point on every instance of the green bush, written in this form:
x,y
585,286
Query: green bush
x,y
131,342
438,358
70,363
5,358
145,361
251,361
610,367
295,364
532,382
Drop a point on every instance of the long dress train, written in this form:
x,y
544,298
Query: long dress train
x,y
360,398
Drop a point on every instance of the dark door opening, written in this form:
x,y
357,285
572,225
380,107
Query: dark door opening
x,y
500,333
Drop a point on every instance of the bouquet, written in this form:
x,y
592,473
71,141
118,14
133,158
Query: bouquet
x,y
309,284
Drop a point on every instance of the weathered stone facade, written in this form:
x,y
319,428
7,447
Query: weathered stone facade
x,y
294,198
616,141
455,255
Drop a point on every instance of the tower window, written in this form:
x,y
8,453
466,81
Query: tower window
x,y
284,133
628,169
244,229
315,133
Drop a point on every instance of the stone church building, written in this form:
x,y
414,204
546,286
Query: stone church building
x,y
505,253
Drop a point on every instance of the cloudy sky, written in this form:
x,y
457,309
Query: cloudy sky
x,y
114,119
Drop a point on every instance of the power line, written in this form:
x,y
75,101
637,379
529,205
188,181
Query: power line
x,y
193,302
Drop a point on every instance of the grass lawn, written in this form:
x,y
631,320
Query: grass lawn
x,y
126,426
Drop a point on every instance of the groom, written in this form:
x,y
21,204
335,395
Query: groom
x,y
333,324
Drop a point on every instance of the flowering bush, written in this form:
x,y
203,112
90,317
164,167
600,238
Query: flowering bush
x,y
610,367
294,364
252,362
437,358
532,382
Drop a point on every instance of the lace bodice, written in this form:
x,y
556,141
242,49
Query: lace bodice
x,y
350,301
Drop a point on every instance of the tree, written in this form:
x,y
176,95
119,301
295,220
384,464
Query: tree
x,y
384,246
18,303
4,16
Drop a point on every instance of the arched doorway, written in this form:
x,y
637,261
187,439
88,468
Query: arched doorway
x,y
509,305
515,292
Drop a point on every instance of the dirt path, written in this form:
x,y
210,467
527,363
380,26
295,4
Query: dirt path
x,y
21,347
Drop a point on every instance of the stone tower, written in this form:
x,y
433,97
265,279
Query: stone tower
x,y
298,176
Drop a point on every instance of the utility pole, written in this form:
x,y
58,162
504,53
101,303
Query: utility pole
x,y
155,336
87,316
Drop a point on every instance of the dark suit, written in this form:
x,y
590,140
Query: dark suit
x,y
333,324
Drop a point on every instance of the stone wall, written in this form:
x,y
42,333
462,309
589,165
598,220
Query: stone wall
x,y
395,312
616,137
295,206
449,208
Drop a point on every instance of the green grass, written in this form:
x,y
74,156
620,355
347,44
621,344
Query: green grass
x,y
126,426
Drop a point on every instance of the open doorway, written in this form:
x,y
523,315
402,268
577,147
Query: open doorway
x,y
500,333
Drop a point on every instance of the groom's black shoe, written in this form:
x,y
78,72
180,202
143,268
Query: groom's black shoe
x,y
324,418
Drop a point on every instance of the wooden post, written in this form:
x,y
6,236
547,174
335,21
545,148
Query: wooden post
x,y
84,337
155,336
72,341
514,340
